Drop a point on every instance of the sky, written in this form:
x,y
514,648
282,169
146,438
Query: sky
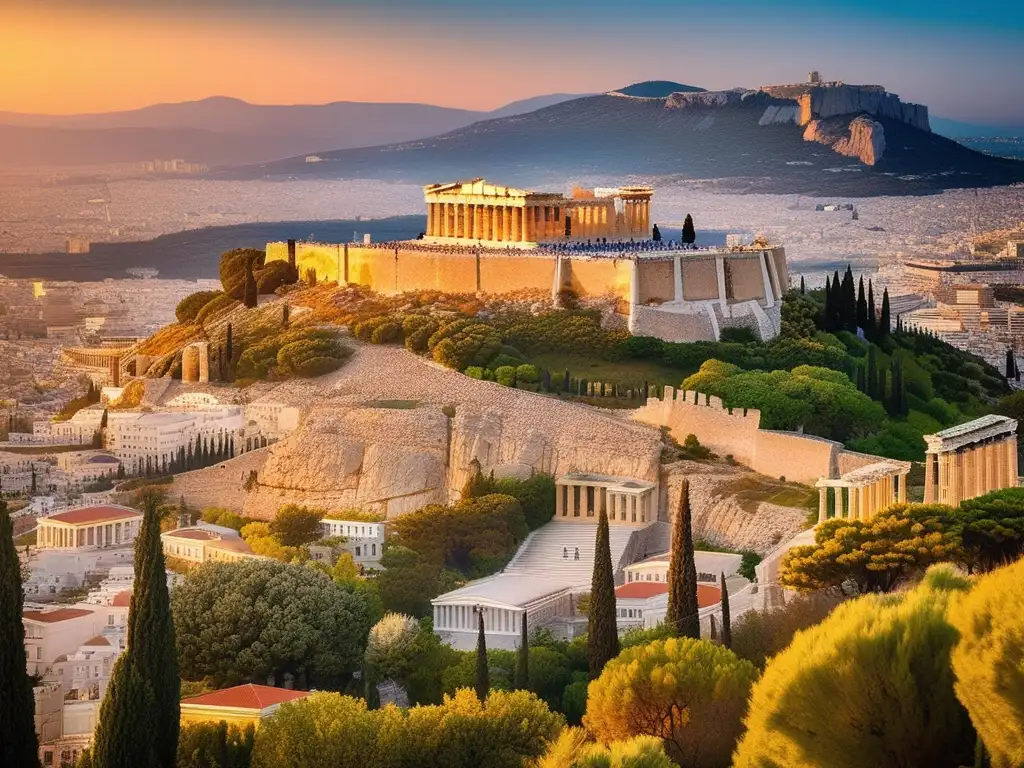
x,y
964,59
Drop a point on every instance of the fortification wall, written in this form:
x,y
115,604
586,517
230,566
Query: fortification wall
x,y
502,274
781,267
700,279
657,281
798,458
746,279
600,277
724,430
672,326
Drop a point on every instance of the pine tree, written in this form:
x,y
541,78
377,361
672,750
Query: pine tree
x,y
872,327
681,616
251,295
523,658
689,232
726,618
602,629
18,744
483,679
884,319
862,306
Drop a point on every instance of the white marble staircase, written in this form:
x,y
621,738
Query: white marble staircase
x,y
542,553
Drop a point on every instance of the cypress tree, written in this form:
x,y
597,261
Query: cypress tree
x,y
18,744
124,736
827,324
862,307
861,383
523,658
837,302
566,382
689,232
803,287
872,373
726,619
483,680
229,347
885,318
603,632
284,314
1010,365
848,302
251,295
683,607
872,328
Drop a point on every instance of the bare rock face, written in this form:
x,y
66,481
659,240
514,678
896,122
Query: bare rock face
x,y
862,137
704,99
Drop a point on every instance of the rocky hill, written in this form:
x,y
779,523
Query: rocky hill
x,y
768,140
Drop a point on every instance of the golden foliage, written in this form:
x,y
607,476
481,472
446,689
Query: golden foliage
x,y
869,686
989,661
170,339
131,396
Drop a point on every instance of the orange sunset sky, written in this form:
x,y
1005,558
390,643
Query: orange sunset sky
x,y
70,56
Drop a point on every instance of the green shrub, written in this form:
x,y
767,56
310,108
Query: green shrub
x,y
232,269
527,374
506,375
474,372
188,308
385,333
273,275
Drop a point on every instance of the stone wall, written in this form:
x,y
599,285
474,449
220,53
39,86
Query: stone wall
x,y
599,277
745,278
736,432
700,280
656,281
673,326
221,485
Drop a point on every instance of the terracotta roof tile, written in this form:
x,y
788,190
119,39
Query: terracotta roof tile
x,y
52,617
99,640
194,534
99,514
706,594
249,696
122,599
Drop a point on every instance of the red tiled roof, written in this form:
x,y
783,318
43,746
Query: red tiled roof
x,y
99,640
122,599
100,514
706,594
641,589
52,617
232,545
194,534
249,696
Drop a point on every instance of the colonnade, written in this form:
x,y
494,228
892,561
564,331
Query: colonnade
x,y
585,500
974,469
860,501
464,618
53,535
525,223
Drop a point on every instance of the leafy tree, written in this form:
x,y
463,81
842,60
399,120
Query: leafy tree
x,y
874,554
681,614
690,693
689,235
215,745
986,661
991,529
408,581
188,308
18,743
874,678
536,494
848,301
235,265
483,683
759,635
295,526
573,749
602,629
391,647
256,619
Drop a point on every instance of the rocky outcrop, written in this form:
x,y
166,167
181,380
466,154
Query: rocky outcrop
x,y
861,137
705,99
784,114
819,102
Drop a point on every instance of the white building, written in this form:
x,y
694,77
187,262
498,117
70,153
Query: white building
x,y
365,541
52,632
94,527
160,437
710,567
200,545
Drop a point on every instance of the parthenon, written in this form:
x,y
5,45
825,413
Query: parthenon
x,y
971,460
475,211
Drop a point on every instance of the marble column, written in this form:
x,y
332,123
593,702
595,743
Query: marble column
x,y
430,219
506,223
838,504
496,223
1014,468
559,500
901,492
573,508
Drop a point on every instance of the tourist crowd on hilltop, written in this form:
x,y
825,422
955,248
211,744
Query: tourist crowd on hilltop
x,y
596,247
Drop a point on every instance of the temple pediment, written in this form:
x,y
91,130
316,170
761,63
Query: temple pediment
x,y
479,187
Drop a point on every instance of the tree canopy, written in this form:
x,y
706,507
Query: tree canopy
x,y
991,529
256,619
869,686
987,661
690,693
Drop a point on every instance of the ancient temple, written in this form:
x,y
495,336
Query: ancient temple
x,y
475,211
971,460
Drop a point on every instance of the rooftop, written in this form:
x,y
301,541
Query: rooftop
x,y
502,591
642,590
231,545
99,641
990,420
122,599
98,514
194,534
55,616
249,696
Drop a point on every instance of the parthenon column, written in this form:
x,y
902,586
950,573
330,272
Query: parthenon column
x,y
430,218
478,222
838,504
495,222
529,223
506,223
822,504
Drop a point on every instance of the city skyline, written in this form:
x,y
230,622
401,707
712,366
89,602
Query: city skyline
x,y
64,58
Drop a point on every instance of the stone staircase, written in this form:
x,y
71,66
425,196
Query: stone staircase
x,y
542,552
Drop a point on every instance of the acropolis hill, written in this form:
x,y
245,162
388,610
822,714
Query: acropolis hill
x,y
486,238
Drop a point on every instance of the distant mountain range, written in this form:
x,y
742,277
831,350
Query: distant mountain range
x,y
226,131
737,141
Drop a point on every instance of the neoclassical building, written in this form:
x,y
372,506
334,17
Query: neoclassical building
x,y
96,527
476,211
971,460
581,497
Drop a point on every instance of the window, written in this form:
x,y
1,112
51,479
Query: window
x,y
358,553
374,549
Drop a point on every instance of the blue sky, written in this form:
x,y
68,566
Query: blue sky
x,y
965,60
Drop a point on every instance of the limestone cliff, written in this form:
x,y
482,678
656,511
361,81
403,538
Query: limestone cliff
x,y
861,137
825,100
